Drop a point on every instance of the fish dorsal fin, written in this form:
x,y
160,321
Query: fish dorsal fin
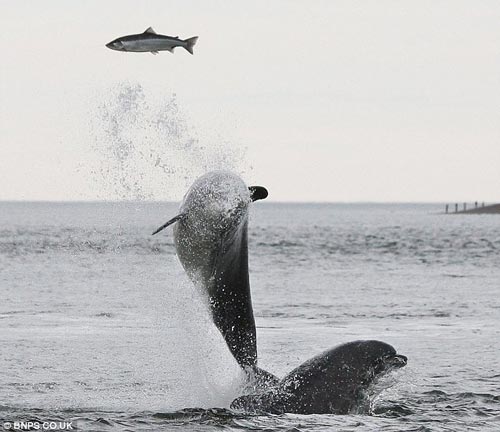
x,y
150,30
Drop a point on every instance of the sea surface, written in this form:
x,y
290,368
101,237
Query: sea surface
x,y
99,326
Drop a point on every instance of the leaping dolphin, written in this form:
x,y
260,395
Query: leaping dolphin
x,y
211,240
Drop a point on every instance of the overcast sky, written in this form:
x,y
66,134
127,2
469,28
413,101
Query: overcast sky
x,y
318,100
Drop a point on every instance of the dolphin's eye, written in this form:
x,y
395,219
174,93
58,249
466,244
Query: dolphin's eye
x,y
379,364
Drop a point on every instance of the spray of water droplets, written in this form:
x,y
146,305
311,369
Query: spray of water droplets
x,y
145,148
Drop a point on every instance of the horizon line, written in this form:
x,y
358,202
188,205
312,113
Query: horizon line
x,y
48,201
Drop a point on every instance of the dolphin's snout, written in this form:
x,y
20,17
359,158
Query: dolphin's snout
x,y
389,362
396,361
258,192
399,360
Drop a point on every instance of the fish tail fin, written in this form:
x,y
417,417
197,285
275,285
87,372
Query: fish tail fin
x,y
190,43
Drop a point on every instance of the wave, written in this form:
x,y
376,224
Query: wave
x,y
29,242
317,246
433,410
419,246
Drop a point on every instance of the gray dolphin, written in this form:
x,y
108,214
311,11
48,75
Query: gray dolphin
x,y
211,241
150,41
334,382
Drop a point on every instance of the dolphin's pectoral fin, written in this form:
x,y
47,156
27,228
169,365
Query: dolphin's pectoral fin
x,y
154,52
170,222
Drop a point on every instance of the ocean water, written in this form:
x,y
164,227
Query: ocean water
x,y
100,326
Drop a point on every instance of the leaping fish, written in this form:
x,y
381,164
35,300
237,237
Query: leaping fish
x,y
150,41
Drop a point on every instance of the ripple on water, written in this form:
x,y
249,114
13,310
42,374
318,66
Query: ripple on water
x,y
432,410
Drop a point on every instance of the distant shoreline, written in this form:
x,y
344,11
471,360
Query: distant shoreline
x,y
489,209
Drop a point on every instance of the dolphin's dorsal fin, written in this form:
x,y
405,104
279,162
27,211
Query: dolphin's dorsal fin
x,y
170,222
150,30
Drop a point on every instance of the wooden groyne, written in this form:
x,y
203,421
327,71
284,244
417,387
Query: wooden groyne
x,y
475,208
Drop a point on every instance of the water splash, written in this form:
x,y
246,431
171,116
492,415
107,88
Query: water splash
x,y
206,374
146,148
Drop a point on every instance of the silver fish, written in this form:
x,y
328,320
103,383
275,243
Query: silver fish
x,y
150,41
